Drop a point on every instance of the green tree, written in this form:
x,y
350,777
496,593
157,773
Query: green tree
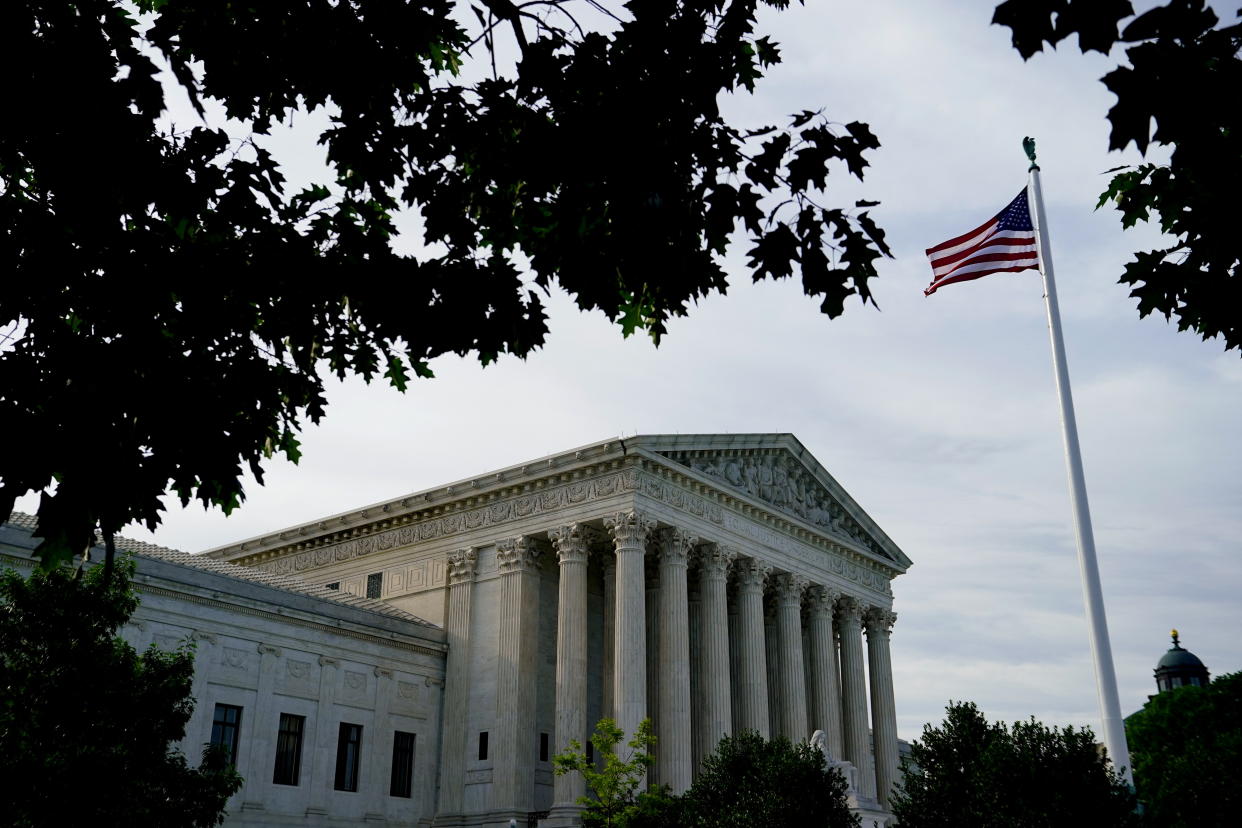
x,y
969,771
1182,72
752,782
615,799
1187,751
87,724
170,304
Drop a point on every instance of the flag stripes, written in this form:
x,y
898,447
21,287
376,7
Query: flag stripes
x,y
1003,244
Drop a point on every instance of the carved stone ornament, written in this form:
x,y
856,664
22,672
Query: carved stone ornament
x,y
879,621
715,559
789,588
516,554
573,542
329,661
849,611
782,481
673,545
462,565
268,649
751,573
235,658
629,529
297,669
821,600
356,682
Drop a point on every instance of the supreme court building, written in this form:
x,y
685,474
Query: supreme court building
x,y
440,648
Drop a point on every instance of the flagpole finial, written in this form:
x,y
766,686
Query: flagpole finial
x,y
1028,144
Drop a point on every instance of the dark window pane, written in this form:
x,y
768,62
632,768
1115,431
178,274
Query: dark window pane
x,y
289,749
543,747
348,755
333,585
590,751
402,764
482,745
375,584
225,725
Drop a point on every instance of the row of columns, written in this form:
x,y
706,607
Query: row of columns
x,y
747,675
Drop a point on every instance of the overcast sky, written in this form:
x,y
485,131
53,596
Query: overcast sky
x,y
939,415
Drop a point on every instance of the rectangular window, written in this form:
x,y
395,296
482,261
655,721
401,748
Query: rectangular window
x,y
224,729
482,745
333,585
348,756
590,751
289,750
543,747
402,764
375,585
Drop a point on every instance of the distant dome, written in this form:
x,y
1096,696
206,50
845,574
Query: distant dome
x,y
1180,668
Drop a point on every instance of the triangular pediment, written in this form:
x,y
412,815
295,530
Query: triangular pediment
x,y
777,471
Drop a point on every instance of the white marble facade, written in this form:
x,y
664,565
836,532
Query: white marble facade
x,y
714,583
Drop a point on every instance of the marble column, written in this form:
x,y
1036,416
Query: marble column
x,y
772,663
651,603
825,676
752,652
571,544
879,625
607,710
674,745
696,659
789,589
629,695
854,694
461,571
716,714
513,781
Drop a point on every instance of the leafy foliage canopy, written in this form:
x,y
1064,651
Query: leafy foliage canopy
x,y
1182,73
171,303
87,724
969,771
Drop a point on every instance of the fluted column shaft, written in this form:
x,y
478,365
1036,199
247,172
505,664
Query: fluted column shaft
x,y
513,784
674,745
854,694
879,623
629,531
789,589
716,719
571,543
461,569
752,650
825,678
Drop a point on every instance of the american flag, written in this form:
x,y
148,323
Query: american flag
x,y
1003,244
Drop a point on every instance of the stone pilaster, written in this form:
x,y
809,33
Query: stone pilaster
x,y
752,661
879,625
629,533
854,694
461,571
513,783
716,717
572,545
789,589
323,742
674,745
825,674
258,763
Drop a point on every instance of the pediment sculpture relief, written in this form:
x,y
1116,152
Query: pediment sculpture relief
x,y
783,482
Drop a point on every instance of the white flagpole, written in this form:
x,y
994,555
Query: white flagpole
x,y
1105,677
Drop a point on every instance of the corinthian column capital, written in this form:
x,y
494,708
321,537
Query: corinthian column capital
x,y
789,588
673,545
821,600
751,573
715,559
461,565
849,610
879,621
516,554
573,542
630,528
